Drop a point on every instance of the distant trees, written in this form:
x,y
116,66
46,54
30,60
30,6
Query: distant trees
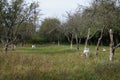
x,y
12,14
102,17
50,30
69,29
74,28
17,23
26,32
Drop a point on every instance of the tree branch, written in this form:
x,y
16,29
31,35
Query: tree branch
x,y
93,34
117,46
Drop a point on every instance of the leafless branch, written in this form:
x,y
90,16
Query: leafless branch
x,y
117,46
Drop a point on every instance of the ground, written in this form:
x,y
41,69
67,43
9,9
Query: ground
x,y
52,62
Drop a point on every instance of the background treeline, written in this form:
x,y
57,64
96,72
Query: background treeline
x,y
101,15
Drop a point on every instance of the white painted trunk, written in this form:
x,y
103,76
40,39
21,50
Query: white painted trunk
x,y
111,54
77,42
13,47
5,48
86,42
88,35
71,44
111,46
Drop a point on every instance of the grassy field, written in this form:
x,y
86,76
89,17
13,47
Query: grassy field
x,y
52,62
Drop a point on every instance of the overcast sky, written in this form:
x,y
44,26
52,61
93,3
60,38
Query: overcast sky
x,y
58,8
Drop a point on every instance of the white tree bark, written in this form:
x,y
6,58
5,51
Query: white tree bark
x,y
77,41
88,35
86,42
5,48
13,47
71,43
58,40
112,49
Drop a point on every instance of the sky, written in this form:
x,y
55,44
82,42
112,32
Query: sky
x,y
58,8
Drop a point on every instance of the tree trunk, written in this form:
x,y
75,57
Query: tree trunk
x,y
13,47
98,43
88,35
77,41
86,42
5,48
112,50
58,43
23,43
58,40
71,43
78,44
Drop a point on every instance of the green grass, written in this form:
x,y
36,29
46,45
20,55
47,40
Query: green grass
x,y
52,62
53,49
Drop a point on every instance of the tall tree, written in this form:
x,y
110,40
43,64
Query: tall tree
x,y
98,21
74,27
89,22
13,14
108,13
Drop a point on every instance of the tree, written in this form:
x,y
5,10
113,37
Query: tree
x,y
108,13
13,14
50,29
96,9
89,22
74,28
67,30
26,32
79,29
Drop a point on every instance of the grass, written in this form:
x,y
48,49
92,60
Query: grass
x,y
53,49
52,62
